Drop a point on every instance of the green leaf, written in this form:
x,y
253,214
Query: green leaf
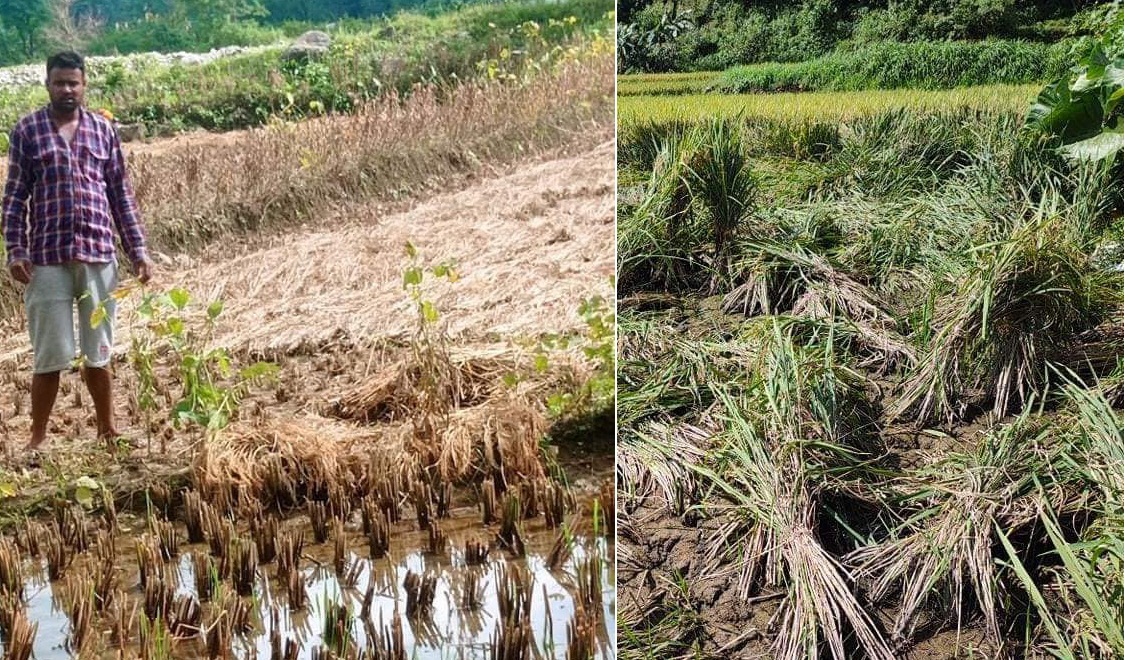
x,y
1096,148
182,413
84,489
214,309
541,363
145,308
98,316
411,277
1070,116
84,496
429,312
87,482
7,489
179,297
175,326
411,251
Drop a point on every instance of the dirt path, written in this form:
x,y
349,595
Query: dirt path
x,y
529,246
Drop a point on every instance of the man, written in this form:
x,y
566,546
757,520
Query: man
x,y
67,189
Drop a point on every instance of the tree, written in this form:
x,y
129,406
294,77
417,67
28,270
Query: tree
x,y
24,20
207,15
68,28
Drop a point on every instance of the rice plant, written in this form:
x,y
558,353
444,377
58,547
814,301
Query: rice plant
x,y
657,243
777,455
721,179
1018,307
1079,600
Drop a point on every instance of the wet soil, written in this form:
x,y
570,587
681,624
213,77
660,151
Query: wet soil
x,y
670,585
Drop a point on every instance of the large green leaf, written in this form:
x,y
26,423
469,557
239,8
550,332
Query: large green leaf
x,y
1071,116
1100,146
1083,109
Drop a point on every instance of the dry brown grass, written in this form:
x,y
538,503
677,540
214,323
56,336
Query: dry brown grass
x,y
392,391
196,191
390,149
287,461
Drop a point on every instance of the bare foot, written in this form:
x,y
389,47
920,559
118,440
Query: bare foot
x,y
32,454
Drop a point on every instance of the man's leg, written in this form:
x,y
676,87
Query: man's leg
x,y
99,382
96,315
44,390
49,300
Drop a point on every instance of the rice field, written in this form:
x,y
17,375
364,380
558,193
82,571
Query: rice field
x,y
656,84
870,393
657,104
352,427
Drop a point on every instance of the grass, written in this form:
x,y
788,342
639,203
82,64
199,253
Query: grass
x,y
921,65
819,106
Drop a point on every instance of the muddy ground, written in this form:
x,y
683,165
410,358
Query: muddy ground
x,y
667,583
326,303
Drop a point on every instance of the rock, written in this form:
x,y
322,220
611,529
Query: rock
x,y
131,132
309,45
24,75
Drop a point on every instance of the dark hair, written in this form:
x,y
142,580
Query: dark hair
x,y
67,59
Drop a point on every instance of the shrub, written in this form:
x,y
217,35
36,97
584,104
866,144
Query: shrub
x,y
918,65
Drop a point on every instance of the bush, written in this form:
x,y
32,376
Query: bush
x,y
396,54
952,19
916,65
733,34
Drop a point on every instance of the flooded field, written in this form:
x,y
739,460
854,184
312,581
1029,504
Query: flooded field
x,y
319,584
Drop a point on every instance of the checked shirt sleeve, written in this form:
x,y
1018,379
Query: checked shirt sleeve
x,y
124,205
17,191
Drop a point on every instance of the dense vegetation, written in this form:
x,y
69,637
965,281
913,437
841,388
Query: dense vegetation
x,y
870,395
30,29
393,55
890,65
685,36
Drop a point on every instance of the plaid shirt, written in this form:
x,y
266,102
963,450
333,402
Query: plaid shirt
x,y
62,201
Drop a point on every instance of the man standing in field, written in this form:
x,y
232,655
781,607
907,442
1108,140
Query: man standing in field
x,y
67,189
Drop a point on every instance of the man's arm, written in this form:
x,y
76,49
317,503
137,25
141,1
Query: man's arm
x,y
123,205
13,211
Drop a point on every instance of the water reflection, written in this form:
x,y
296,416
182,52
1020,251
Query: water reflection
x,y
450,630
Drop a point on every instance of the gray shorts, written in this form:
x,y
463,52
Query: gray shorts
x,y
49,299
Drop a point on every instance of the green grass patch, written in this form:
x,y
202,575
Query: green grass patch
x,y
912,65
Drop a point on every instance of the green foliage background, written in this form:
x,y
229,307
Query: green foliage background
x,y
32,29
699,35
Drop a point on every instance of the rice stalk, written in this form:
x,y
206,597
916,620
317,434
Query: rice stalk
x,y
777,452
1017,308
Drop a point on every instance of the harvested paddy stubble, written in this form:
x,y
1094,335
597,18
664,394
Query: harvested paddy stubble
x,y
848,422
367,453
195,190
